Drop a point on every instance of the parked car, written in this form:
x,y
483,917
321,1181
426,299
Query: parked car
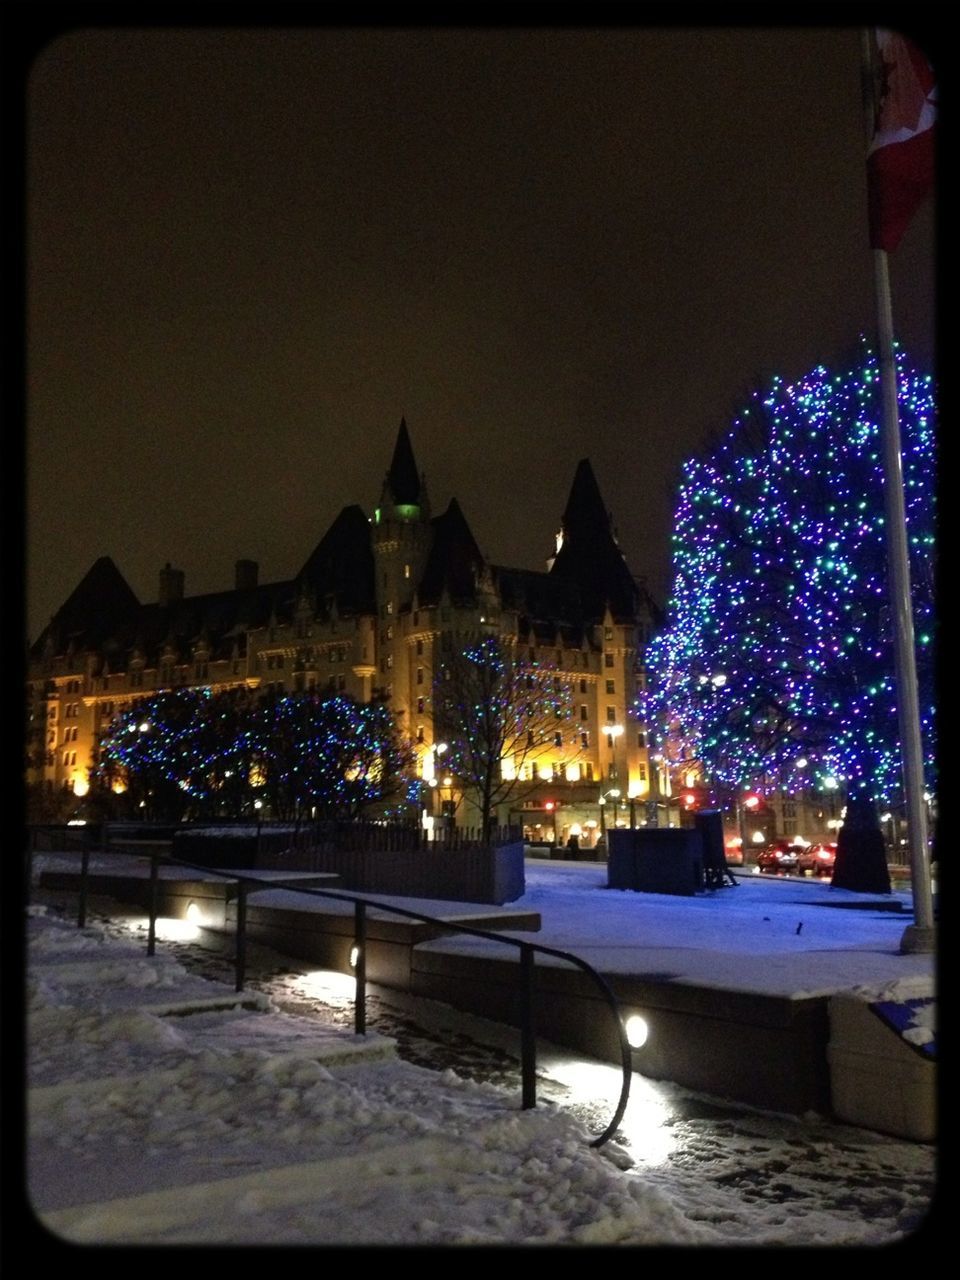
x,y
780,856
817,859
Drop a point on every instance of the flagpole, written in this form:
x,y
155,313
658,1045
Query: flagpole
x,y
920,936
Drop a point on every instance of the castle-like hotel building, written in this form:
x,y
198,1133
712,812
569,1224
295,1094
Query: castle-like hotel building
x,y
374,608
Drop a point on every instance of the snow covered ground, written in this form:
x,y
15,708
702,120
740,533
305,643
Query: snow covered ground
x,y
160,1112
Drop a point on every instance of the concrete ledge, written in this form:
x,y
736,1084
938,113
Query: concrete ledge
x,y
176,889
326,936
765,1051
877,1080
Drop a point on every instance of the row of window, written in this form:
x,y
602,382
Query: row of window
x,y
337,653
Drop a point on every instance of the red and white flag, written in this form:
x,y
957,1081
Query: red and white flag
x,y
900,158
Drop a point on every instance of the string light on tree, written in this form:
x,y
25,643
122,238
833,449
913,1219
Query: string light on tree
x,y
778,660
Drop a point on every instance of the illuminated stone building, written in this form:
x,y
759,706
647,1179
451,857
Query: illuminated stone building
x,y
373,609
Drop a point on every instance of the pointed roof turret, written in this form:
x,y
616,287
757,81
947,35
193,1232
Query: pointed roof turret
x,y
585,511
589,555
455,563
403,483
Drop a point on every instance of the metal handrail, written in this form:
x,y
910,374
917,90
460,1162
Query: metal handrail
x,y
361,902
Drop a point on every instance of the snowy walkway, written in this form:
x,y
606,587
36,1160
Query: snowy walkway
x,y
160,1112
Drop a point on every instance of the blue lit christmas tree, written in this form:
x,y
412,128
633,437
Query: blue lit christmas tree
x,y
777,667
203,754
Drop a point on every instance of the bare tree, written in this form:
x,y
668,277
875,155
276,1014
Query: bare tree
x,y
501,716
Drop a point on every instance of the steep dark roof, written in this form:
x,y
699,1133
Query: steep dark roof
x,y
542,600
454,561
103,614
102,602
590,556
403,481
342,565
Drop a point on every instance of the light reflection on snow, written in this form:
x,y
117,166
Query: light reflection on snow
x,y
336,989
170,930
645,1124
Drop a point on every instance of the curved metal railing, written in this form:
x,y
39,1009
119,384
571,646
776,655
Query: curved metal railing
x,y
527,951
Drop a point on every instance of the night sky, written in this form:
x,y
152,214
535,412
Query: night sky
x,y
250,252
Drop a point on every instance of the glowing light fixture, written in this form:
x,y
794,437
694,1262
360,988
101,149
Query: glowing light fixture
x,y
637,1029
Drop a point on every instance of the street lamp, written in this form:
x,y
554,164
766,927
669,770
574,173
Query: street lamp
x,y
614,794
431,759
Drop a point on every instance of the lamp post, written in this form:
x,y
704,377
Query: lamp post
x,y
632,797
614,794
613,732
430,762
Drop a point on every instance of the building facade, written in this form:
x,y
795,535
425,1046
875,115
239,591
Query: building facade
x,y
372,611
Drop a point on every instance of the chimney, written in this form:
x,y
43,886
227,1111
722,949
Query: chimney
x,y
171,585
245,578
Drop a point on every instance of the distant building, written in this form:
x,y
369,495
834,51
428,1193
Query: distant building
x,y
373,609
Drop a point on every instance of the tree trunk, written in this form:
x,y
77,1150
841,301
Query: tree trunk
x,y
861,863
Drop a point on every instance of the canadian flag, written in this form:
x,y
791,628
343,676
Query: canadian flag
x,y
900,157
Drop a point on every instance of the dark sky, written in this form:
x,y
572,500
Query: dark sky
x,y
251,251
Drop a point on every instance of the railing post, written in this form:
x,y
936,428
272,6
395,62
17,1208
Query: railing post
x,y
84,877
241,952
528,1030
360,942
154,878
